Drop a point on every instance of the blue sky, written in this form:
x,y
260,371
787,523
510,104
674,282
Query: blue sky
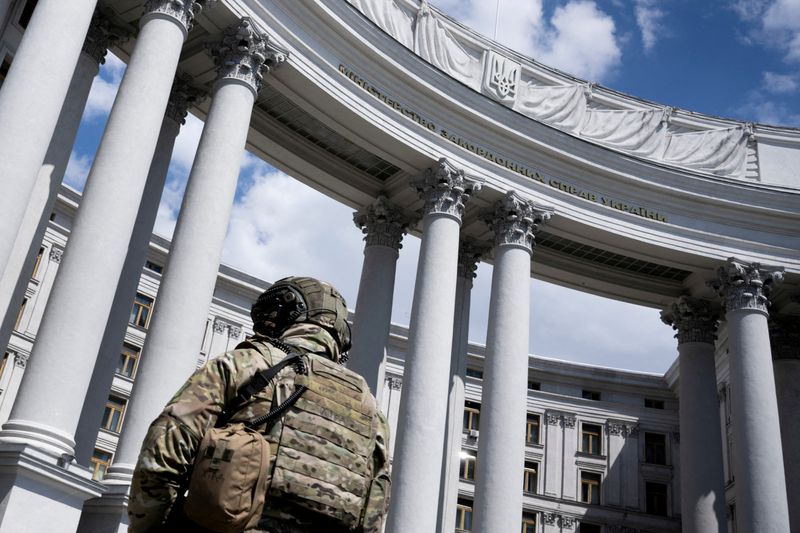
x,y
733,58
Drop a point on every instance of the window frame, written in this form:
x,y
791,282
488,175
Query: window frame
x,y
531,471
654,403
649,450
590,483
599,434
128,353
593,395
20,314
472,417
139,304
529,425
98,463
529,519
466,461
114,404
463,515
648,497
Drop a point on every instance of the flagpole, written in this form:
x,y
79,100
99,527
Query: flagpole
x,y
496,19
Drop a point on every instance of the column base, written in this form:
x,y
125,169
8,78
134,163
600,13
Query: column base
x,y
39,492
46,438
108,513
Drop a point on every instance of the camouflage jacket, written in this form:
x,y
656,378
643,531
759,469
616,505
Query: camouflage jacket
x,y
169,448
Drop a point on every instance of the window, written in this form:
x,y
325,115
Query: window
x,y
528,523
4,362
530,480
467,469
532,429
100,462
27,13
655,448
590,487
464,515
472,416
4,67
590,395
590,439
589,528
534,385
128,359
142,308
21,312
155,267
474,373
656,498
653,404
112,417
38,262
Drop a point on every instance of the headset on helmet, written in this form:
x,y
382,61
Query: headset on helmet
x,y
301,299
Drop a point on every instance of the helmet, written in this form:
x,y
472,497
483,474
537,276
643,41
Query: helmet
x,y
299,299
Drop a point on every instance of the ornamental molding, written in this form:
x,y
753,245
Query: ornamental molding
x,y
182,12
469,255
102,35
382,223
221,327
784,333
745,286
445,189
515,220
234,331
623,429
244,53
394,382
559,520
56,254
564,420
183,96
21,359
694,320
500,77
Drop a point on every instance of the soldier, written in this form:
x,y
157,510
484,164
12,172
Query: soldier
x,y
329,466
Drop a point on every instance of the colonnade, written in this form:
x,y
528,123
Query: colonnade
x,y
51,422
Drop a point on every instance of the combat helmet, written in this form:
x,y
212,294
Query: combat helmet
x,y
301,299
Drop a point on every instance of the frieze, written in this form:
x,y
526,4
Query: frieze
x,y
745,285
382,223
694,320
515,221
445,189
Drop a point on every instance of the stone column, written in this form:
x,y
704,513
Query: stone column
x,y
68,341
501,454
31,101
182,97
383,226
703,480
761,503
14,281
469,254
173,342
785,341
423,404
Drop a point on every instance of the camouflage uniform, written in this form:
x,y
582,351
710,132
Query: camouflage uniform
x,y
169,448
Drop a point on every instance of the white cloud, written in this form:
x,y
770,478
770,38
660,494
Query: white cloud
x,y
777,24
104,88
766,111
648,18
77,170
779,83
186,144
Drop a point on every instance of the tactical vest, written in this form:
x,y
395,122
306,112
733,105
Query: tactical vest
x,y
323,461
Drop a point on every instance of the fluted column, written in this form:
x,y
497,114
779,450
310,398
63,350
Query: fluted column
x,y
469,254
501,452
423,406
182,97
31,99
68,342
383,226
761,503
176,329
702,478
14,281
785,341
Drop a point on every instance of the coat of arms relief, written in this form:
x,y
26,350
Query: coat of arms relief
x,y
500,77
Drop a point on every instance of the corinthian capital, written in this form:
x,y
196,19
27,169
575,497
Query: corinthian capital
x,y
182,12
243,53
784,337
515,221
694,320
745,285
102,35
382,224
445,189
469,255
183,96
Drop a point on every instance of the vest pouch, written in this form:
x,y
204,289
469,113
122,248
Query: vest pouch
x,y
228,484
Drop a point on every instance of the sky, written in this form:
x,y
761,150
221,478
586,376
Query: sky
x,y
733,58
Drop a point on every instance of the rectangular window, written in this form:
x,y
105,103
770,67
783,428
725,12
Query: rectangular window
x,y
474,373
100,461
128,360
27,13
653,404
591,435
532,429
467,469
21,312
656,498
590,395
155,267
472,416
464,515
528,523
38,262
4,363
534,385
655,448
530,480
590,487
112,417
142,308
4,67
